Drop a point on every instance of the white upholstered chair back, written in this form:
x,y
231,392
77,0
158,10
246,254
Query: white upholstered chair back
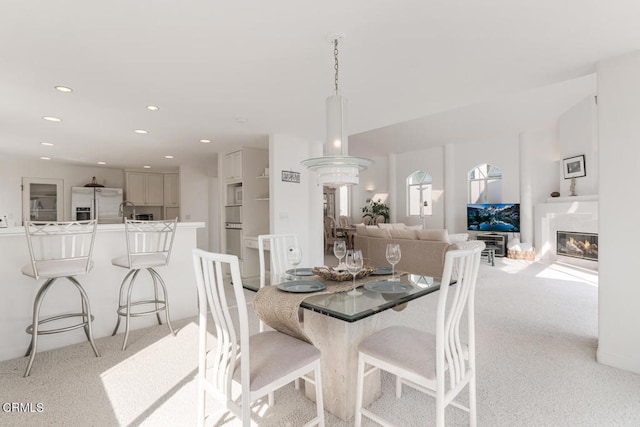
x,y
278,359
455,361
440,365
59,249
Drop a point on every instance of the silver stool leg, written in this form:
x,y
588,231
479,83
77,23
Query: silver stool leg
x,y
33,328
128,310
166,299
120,299
124,307
86,314
31,351
155,294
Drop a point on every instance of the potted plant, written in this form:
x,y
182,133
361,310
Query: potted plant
x,y
374,208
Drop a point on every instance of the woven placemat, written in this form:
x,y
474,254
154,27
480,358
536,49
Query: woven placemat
x,y
280,310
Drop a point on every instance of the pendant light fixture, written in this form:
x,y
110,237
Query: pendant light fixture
x,y
336,167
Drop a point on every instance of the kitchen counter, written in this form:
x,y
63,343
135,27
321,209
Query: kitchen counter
x,y
101,284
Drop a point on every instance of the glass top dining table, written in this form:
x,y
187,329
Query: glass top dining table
x,y
374,298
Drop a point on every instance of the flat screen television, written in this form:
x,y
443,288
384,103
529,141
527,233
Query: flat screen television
x,y
501,217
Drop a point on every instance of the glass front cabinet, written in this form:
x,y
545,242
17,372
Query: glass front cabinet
x,y
42,199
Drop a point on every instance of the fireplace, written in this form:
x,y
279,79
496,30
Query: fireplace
x,y
577,245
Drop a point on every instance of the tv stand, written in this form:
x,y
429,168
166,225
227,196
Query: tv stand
x,y
497,240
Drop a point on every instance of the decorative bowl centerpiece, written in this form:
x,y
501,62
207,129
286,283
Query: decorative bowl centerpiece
x,y
330,273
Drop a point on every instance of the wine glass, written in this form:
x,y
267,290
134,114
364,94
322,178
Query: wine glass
x,y
294,256
393,257
339,250
354,263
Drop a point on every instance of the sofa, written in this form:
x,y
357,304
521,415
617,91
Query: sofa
x,y
423,251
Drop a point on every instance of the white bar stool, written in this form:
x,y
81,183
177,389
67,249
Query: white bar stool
x,y
59,249
148,246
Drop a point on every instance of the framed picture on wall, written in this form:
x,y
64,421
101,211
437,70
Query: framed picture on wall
x,y
574,167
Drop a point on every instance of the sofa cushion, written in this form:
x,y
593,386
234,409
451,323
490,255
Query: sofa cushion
x,y
378,232
439,235
386,225
361,229
399,226
403,234
413,227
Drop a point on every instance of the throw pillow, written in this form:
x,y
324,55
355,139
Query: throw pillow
x,y
440,235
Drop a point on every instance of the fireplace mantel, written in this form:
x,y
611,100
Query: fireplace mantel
x,y
588,198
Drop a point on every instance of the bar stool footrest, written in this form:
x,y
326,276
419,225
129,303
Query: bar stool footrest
x,y
29,329
122,310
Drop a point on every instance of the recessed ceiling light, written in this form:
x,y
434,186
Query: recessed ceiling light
x,y
52,119
102,163
48,144
147,167
240,119
168,157
45,158
152,108
141,131
64,89
205,141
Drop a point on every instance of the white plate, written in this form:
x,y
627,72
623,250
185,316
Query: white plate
x,y
387,287
301,272
301,286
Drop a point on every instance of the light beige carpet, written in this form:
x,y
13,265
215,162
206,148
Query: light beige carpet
x,y
536,339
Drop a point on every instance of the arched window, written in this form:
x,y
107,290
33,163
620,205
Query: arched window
x,y
419,201
485,184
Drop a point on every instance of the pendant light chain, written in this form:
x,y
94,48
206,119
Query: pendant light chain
x,y
335,56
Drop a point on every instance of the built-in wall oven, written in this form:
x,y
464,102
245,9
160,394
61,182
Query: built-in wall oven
x,y
233,230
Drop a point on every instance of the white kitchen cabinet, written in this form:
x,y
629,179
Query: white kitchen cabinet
x,y
171,189
145,189
42,199
233,166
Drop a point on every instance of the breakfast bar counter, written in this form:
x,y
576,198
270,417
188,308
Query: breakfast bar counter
x,y
101,284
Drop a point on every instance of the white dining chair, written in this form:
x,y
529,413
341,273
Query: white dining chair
x,y
149,246
440,365
260,363
57,250
278,245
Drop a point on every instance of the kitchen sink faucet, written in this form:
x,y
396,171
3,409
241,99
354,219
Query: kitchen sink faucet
x,y
121,209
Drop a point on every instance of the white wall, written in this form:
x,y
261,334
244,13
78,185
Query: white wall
x,y
503,153
539,176
194,192
215,211
375,177
296,207
12,170
430,160
577,134
619,133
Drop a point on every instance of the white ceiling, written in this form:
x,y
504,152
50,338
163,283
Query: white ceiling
x,y
452,70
